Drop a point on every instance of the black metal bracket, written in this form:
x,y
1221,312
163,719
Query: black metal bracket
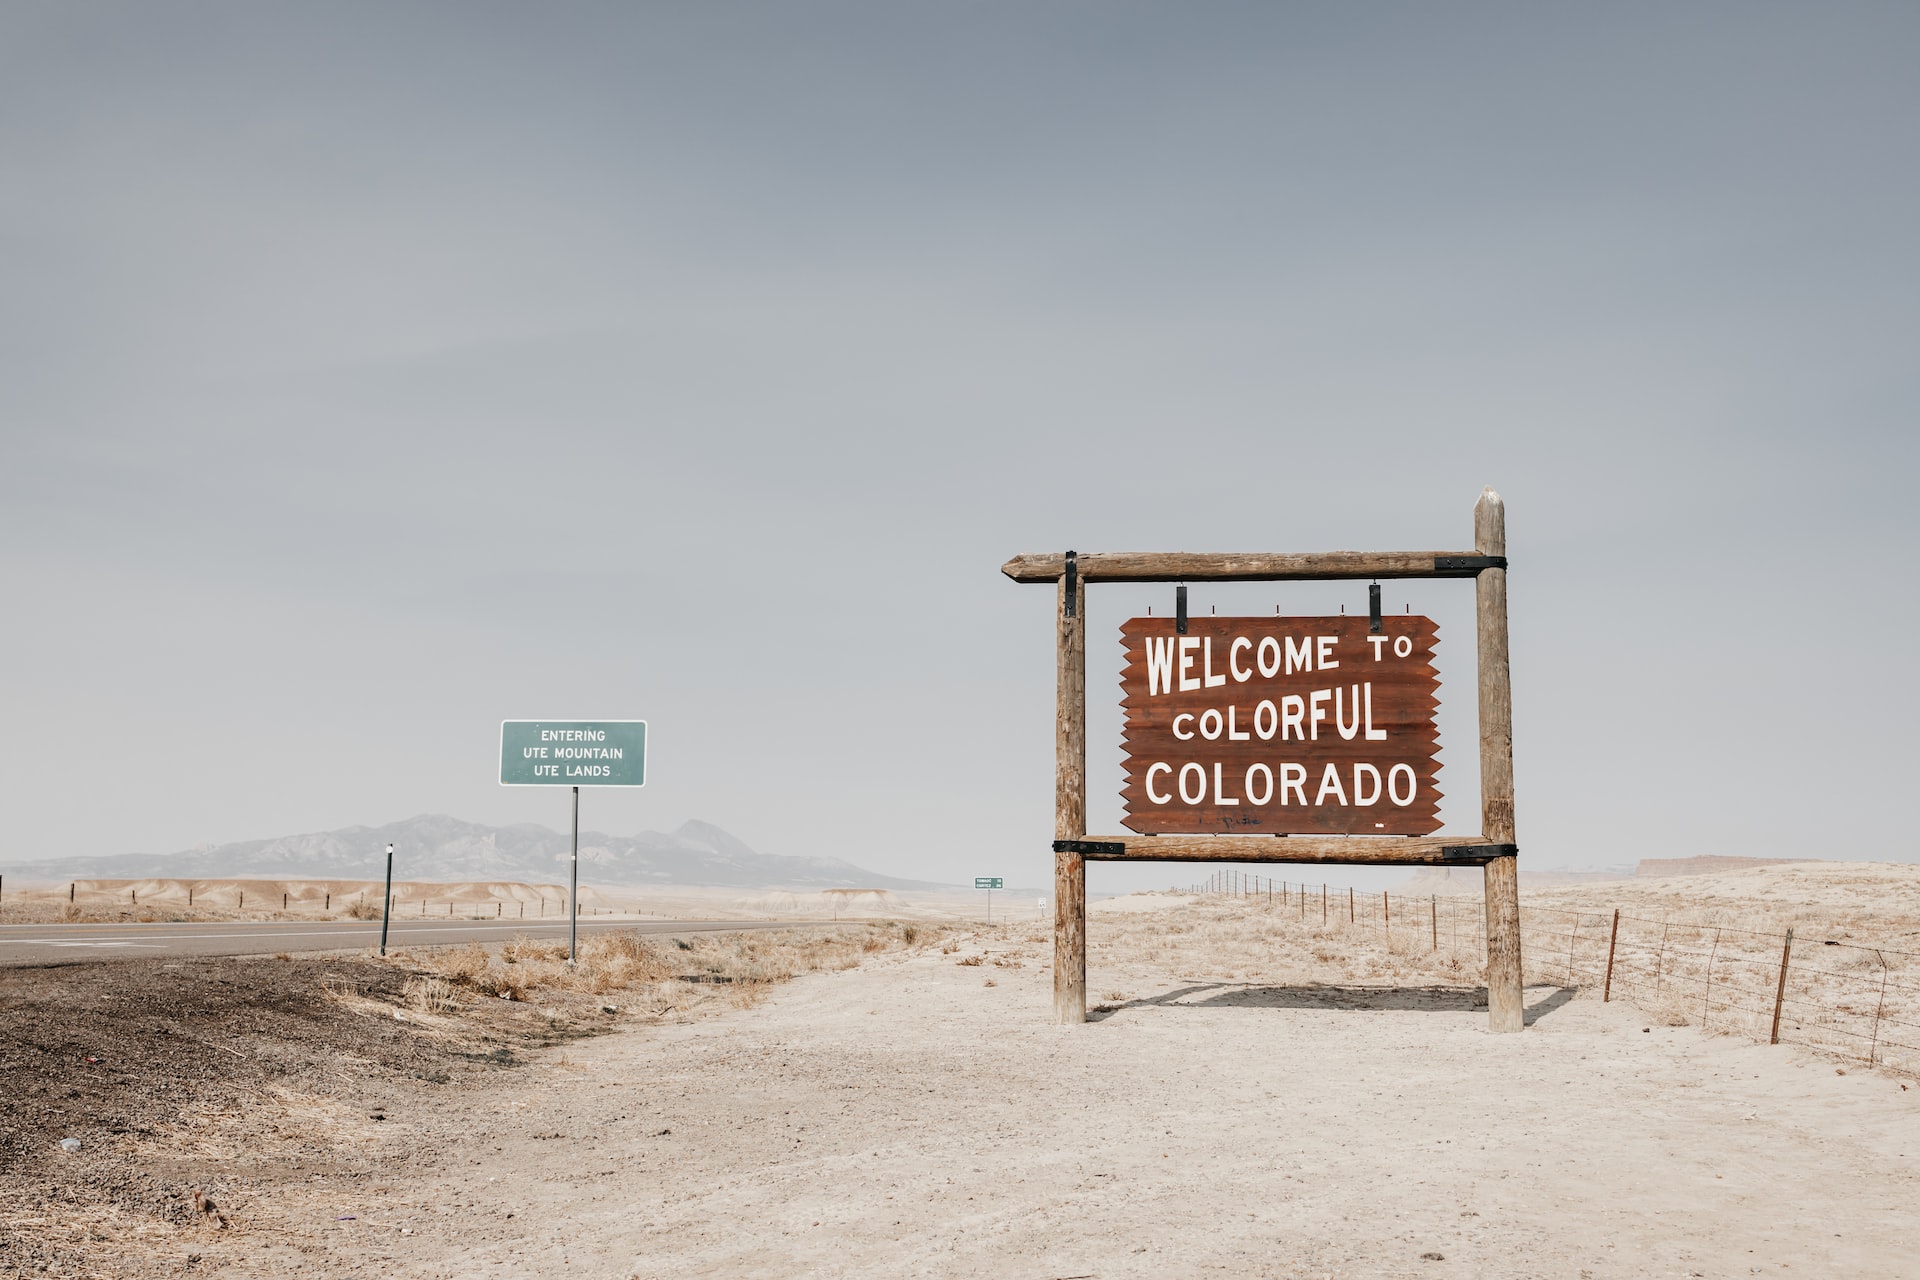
x,y
1473,564
1073,585
1373,609
1479,851
1093,848
1180,609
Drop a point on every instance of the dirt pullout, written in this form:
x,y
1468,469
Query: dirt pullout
x,y
194,1094
1250,1102
1251,1099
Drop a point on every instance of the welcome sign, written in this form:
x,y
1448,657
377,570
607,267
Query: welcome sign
x,y
1281,726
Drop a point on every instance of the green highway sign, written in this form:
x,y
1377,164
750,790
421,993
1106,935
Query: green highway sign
x,y
988,882
573,753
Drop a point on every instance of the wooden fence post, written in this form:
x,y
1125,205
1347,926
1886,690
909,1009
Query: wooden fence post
x,y
1606,992
1706,998
1070,801
1506,1004
1780,992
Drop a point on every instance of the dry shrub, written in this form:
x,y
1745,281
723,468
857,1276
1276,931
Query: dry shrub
x,y
668,975
523,949
429,994
361,909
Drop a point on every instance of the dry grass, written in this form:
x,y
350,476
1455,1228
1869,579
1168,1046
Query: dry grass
x,y
1708,951
1226,939
1699,950
163,900
660,975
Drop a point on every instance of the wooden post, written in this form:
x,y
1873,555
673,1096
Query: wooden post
x,y
1780,992
1706,999
1350,904
1070,802
1506,1007
1606,992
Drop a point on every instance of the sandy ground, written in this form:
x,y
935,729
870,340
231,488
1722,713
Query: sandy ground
x,y
919,1116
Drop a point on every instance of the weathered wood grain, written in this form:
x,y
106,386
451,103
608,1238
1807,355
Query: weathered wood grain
x,y
1506,1009
1252,566
1242,787
1466,851
1070,804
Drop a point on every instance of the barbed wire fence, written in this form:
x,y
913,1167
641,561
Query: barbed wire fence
x,y
1850,1000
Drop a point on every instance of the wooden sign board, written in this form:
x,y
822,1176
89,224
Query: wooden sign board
x,y
1281,726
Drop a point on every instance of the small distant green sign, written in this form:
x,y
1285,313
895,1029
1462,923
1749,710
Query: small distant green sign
x,y
573,753
989,882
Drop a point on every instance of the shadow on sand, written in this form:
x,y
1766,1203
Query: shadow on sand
x,y
1541,1001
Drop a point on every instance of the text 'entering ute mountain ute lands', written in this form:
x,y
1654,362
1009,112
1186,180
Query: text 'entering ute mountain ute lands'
x,y
1281,725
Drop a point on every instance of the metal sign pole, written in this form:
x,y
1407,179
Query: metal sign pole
x,y
387,911
573,909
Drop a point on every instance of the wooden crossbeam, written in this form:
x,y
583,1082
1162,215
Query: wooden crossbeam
x,y
1386,851
1258,566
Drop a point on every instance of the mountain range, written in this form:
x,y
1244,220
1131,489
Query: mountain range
x,y
438,847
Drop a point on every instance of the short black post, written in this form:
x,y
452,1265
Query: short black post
x,y
573,903
388,909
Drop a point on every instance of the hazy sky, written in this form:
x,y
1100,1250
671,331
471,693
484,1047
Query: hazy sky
x,y
369,373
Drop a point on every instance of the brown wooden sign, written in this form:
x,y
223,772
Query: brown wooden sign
x,y
1281,726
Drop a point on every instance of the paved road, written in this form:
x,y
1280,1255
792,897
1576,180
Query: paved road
x,y
26,944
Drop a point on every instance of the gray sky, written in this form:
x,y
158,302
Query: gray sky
x,y
371,373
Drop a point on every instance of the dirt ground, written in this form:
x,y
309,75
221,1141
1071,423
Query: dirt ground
x,y
1250,1100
